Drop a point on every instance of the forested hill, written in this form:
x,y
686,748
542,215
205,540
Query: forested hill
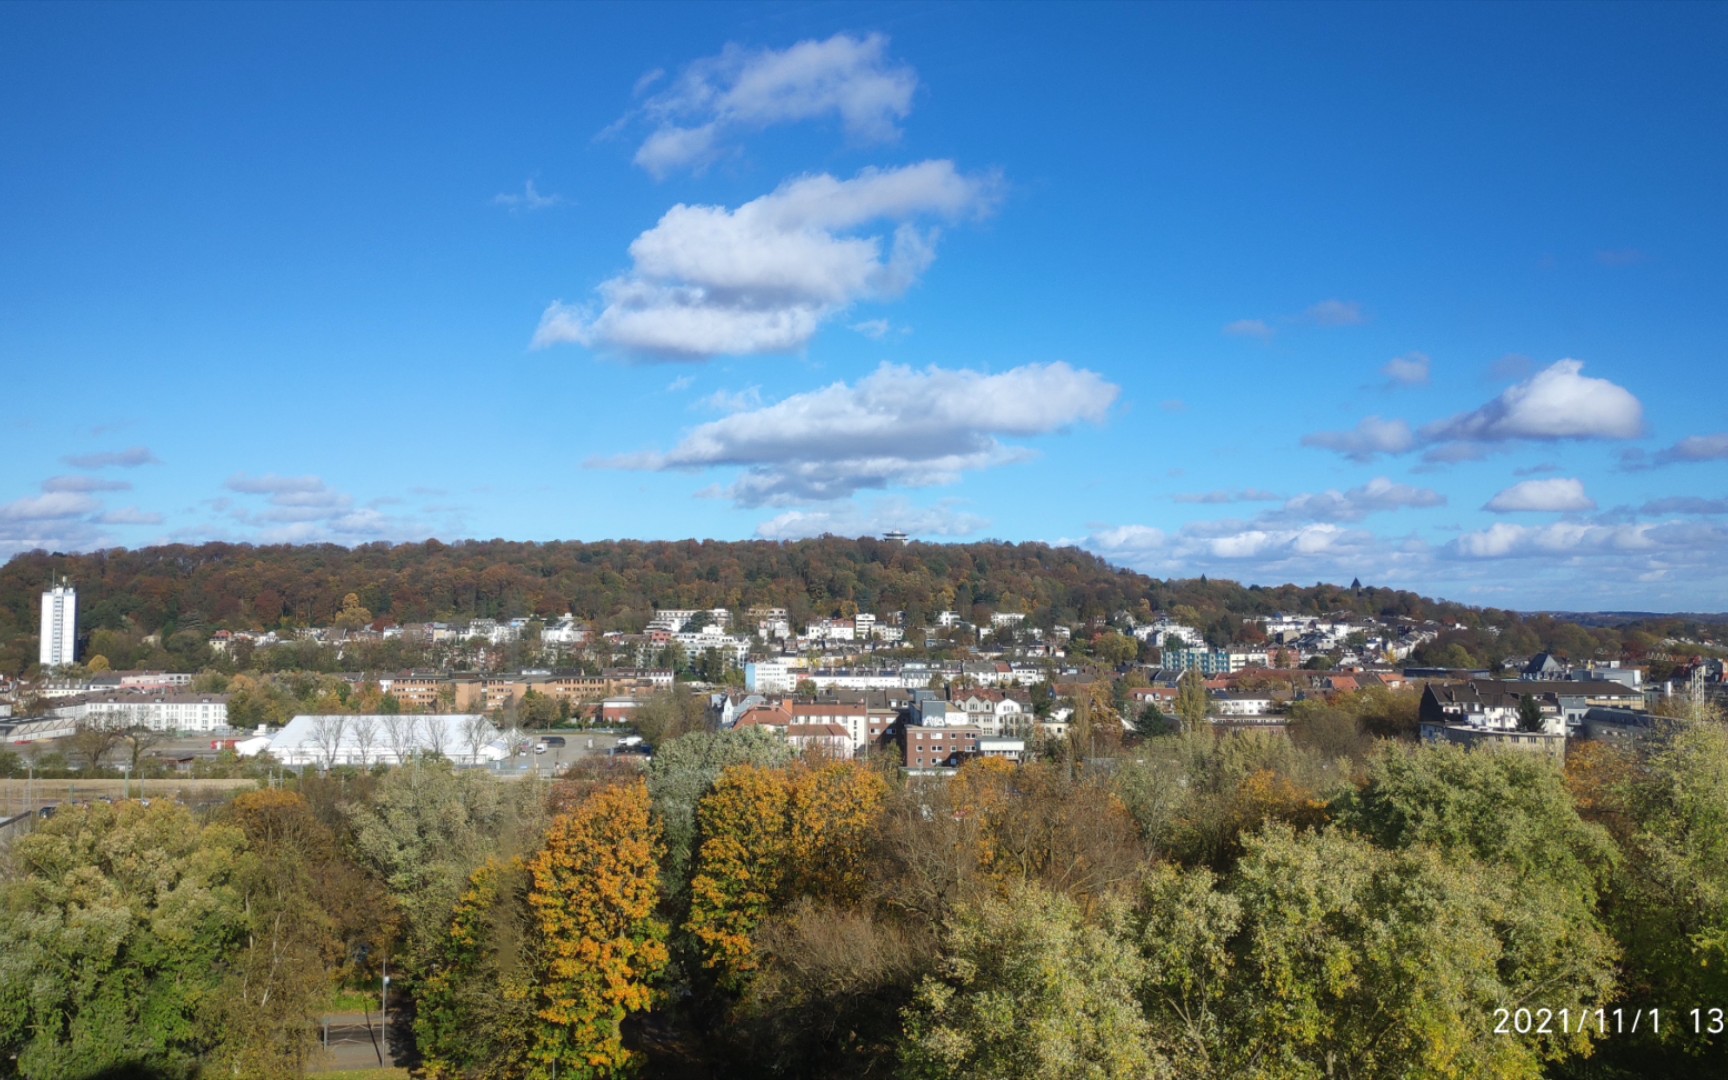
x,y
617,584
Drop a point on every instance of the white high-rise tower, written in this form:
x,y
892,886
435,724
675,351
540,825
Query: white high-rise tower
x,y
59,624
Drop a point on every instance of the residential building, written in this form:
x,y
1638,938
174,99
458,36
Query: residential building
x,y
159,712
1207,661
826,740
851,719
59,625
937,746
1228,704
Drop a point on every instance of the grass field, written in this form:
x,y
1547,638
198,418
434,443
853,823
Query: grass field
x,y
18,795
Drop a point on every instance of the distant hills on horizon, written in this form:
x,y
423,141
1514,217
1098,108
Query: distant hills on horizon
x,y
618,583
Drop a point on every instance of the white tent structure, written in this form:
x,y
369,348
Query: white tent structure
x,y
387,738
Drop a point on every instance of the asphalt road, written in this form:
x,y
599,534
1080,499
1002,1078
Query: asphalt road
x,y
351,1041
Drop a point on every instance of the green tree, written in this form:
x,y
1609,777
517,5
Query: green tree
x,y
1513,813
684,769
425,831
310,914
1331,983
1028,988
118,937
476,1014
1670,900
1150,722
1529,713
1192,703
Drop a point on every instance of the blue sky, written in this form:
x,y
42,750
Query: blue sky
x,y
1425,295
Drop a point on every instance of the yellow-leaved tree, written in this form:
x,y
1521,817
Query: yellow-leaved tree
x,y
741,863
593,893
767,836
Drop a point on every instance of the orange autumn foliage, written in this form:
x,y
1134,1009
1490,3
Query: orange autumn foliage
x,y
767,836
595,886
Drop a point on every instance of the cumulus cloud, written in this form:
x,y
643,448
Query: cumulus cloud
x,y
1254,328
1554,495
1336,313
896,427
53,506
529,198
1264,550
1558,402
714,100
944,519
129,458
1503,541
1411,369
1371,438
84,484
708,281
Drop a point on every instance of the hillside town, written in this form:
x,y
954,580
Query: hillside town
x,y
929,694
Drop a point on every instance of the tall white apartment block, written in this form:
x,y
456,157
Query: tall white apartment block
x,y
59,624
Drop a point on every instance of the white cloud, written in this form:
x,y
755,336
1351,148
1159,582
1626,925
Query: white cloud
x,y
732,401
718,98
304,509
895,427
1372,437
1377,495
682,382
1502,541
271,484
852,519
50,507
709,281
1254,328
129,458
529,198
1554,495
84,484
1556,403
1232,546
130,515
874,329
1336,313
1411,369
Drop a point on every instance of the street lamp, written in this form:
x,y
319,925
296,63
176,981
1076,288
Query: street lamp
x,y
384,1008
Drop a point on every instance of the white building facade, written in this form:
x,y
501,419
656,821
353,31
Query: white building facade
x,y
59,625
